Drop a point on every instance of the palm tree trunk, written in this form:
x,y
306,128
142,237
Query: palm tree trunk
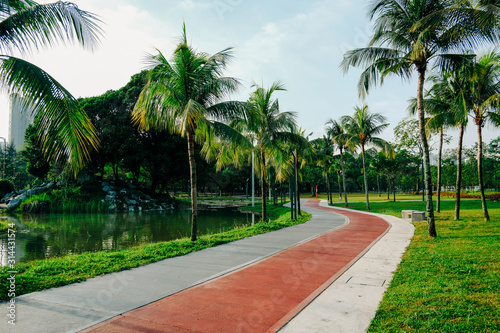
x,y
365,178
329,197
425,147
340,186
440,153
297,182
480,169
263,183
458,184
193,181
342,162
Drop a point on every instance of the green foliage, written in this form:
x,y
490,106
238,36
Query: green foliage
x,y
55,272
36,163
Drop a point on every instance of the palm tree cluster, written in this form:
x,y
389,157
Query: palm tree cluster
x,y
417,36
187,95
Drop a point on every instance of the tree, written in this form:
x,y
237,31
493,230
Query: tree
x,y
324,159
65,132
362,129
337,132
183,96
267,130
411,34
36,163
484,81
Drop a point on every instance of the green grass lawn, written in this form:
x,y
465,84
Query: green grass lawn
x,y
450,283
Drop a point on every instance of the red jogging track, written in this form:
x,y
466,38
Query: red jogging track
x,y
261,297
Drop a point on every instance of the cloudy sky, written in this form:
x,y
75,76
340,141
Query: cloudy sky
x,y
300,43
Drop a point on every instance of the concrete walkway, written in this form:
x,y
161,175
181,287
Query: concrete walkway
x,y
347,305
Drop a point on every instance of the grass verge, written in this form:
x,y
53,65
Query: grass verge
x,y
449,283
55,272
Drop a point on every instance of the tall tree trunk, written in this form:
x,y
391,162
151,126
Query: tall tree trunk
x,y
458,184
440,153
263,183
193,181
378,185
329,197
480,168
297,182
425,147
365,177
342,162
340,186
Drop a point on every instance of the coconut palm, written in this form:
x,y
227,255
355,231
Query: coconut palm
x,y
268,129
324,159
409,35
66,132
184,96
484,89
362,129
337,132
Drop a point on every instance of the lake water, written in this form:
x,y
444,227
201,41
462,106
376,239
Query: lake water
x,y
53,235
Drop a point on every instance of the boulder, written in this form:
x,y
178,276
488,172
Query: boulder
x,y
14,203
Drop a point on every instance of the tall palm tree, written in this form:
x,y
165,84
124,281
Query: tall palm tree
x,y
268,129
339,136
66,132
484,81
324,159
409,35
184,96
362,128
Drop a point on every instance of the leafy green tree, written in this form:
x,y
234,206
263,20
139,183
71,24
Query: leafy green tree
x,y
324,159
362,129
183,96
65,133
36,163
408,36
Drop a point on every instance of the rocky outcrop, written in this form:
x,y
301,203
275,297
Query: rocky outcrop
x,y
14,199
129,198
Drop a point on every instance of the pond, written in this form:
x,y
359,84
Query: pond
x,y
54,235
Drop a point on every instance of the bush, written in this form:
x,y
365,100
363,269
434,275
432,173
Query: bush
x,y
5,187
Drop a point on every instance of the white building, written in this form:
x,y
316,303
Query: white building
x,y
19,118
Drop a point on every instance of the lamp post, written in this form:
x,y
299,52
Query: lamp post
x,y
4,155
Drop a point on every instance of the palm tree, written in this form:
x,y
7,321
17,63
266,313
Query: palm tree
x,y
324,159
268,129
183,96
362,129
409,35
66,132
484,85
337,132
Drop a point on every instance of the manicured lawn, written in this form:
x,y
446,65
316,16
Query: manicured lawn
x,y
447,284
55,272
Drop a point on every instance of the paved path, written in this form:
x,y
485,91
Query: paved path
x,y
252,285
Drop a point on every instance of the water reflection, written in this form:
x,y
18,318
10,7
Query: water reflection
x,y
53,235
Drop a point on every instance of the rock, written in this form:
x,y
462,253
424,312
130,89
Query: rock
x,y
14,203
130,208
104,184
8,195
131,202
50,186
109,198
107,188
30,192
123,191
112,207
21,197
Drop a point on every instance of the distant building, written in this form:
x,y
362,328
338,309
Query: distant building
x,y
20,116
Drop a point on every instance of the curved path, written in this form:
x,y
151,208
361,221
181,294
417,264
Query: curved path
x,y
263,296
325,275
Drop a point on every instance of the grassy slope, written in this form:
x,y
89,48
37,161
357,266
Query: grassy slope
x,y
447,284
54,272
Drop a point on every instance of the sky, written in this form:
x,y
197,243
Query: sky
x,y
301,43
